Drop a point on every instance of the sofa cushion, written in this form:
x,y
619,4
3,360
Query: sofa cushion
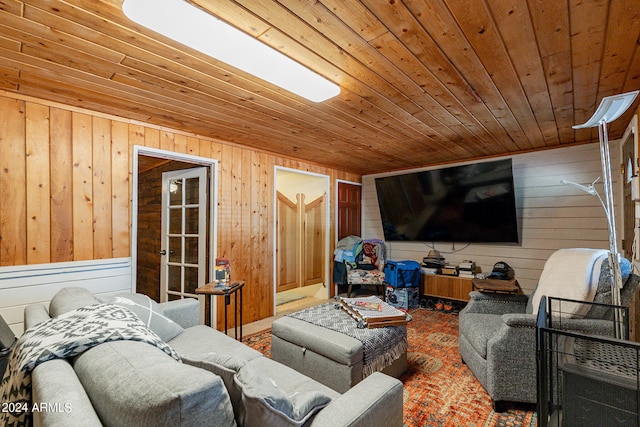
x,y
149,312
209,349
133,383
479,329
69,299
198,341
224,366
267,404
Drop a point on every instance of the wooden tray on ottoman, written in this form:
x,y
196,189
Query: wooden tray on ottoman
x,y
372,312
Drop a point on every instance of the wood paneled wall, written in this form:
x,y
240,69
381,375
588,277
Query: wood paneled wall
x,y
65,191
551,215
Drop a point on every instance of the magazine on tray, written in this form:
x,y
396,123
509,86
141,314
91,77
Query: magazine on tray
x,y
373,312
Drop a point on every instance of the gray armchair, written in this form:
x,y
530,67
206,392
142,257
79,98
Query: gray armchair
x,y
497,334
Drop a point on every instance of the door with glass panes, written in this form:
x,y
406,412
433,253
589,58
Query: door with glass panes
x,y
184,233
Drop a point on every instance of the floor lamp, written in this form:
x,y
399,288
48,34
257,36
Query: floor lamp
x,y
610,108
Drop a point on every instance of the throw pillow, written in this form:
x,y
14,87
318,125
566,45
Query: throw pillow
x,y
149,312
603,294
268,405
69,299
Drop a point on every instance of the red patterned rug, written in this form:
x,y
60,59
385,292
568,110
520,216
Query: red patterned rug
x,y
439,390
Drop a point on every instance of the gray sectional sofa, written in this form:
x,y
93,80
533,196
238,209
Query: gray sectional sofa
x,y
219,382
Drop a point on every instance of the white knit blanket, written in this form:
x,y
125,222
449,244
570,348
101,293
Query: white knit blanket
x,y
62,337
569,273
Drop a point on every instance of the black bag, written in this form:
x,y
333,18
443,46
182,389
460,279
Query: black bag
x,y
501,270
402,274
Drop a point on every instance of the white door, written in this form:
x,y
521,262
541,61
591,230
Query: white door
x,y
184,233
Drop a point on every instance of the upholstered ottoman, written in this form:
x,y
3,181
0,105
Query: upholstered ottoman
x,y
333,356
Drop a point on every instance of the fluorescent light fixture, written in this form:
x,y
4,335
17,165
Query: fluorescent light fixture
x,y
610,108
194,27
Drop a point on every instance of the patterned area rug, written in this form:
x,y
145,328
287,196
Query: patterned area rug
x,y
439,390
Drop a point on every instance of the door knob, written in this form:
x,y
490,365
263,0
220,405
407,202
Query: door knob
x,y
163,252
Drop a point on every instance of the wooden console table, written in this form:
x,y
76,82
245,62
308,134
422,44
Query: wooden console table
x,y
213,289
446,287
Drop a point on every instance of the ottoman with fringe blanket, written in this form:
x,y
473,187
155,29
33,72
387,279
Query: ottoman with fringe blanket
x,y
325,343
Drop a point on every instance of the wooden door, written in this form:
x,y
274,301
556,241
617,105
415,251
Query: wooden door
x,y
184,233
313,256
349,210
301,242
287,245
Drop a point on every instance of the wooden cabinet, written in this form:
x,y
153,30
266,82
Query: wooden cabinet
x,y
449,287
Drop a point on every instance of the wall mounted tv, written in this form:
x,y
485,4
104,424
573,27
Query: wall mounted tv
x,y
472,203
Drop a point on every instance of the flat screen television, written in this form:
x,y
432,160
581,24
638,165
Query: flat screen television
x,y
472,203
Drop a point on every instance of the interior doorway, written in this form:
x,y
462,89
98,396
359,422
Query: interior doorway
x,y
349,209
301,261
148,241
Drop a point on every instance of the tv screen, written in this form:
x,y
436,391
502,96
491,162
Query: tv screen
x,y
471,203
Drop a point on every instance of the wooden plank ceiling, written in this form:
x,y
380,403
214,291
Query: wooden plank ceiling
x,y
423,81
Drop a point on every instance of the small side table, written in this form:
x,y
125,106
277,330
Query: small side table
x,y
497,286
214,289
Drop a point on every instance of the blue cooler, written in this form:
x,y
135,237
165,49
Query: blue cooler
x,y
402,274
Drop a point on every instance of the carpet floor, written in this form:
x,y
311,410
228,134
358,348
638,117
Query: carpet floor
x,y
288,296
439,390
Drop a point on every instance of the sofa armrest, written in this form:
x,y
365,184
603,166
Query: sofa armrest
x,y
185,312
492,303
55,384
34,314
520,320
376,400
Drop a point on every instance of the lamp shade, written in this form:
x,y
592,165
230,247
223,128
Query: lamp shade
x,y
610,108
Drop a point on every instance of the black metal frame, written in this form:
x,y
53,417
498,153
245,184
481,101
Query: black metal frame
x,y
586,379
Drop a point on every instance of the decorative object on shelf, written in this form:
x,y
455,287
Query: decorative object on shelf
x,y
223,270
449,270
467,268
610,108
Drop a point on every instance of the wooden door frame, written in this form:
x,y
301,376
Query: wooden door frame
x,y
630,132
212,164
328,256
